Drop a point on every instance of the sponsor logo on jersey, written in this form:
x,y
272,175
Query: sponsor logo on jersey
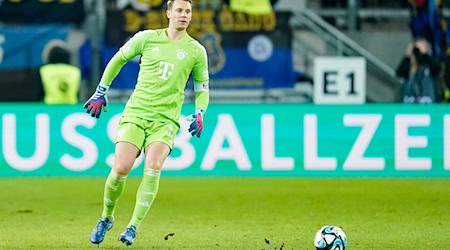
x,y
165,70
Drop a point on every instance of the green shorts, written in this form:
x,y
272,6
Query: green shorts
x,y
141,132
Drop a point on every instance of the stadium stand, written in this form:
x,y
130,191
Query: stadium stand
x,y
314,28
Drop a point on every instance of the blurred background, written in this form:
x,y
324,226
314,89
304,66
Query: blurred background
x,y
253,57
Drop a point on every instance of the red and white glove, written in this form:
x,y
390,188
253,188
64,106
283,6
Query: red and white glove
x,y
97,101
196,120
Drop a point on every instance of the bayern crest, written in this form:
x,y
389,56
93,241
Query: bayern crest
x,y
181,54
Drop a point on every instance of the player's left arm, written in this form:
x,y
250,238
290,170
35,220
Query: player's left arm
x,y
201,89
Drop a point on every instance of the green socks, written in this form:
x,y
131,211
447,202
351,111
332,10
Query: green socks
x,y
145,195
114,186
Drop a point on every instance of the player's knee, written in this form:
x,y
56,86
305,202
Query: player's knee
x,y
122,168
153,164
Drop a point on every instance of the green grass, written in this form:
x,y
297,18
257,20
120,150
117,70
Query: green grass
x,y
230,213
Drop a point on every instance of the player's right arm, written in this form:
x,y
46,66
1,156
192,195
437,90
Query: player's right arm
x,y
128,51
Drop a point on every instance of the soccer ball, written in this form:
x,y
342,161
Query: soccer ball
x,y
330,238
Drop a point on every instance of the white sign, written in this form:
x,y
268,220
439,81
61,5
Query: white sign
x,y
260,48
340,80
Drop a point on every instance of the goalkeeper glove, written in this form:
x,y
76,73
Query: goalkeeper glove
x,y
97,101
196,120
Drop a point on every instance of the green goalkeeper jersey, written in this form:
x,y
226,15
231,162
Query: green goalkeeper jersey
x,y
165,68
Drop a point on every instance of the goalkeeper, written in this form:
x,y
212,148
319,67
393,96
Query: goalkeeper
x,y
149,121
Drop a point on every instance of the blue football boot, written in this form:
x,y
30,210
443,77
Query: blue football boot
x,y
98,234
127,237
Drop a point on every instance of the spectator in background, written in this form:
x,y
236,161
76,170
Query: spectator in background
x,y
253,7
427,22
60,79
421,73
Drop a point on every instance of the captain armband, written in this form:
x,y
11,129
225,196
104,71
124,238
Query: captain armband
x,y
201,87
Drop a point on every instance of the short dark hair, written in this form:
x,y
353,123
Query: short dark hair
x,y
59,55
170,3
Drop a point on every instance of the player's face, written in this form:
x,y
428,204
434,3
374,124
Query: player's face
x,y
180,14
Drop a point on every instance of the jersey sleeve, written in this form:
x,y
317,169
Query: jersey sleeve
x,y
200,71
128,51
135,45
201,80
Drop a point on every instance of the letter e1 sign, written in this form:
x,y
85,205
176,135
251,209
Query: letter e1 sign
x,y
339,80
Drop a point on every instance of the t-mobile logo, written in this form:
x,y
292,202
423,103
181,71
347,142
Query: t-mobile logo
x,y
165,70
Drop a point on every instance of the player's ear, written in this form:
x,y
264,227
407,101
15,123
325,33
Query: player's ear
x,y
168,14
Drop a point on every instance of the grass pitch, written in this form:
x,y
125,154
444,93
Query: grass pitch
x,y
230,213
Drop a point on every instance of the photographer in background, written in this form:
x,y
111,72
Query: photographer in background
x,y
421,73
427,22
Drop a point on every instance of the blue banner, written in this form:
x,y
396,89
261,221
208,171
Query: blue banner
x,y
273,70
21,47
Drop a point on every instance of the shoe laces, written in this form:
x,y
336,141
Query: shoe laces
x,y
103,223
131,231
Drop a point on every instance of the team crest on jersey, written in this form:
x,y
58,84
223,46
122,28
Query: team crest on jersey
x,y
181,54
